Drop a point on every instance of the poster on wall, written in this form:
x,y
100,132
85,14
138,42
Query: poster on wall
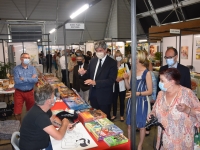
x,y
184,52
198,53
197,42
32,50
152,51
116,46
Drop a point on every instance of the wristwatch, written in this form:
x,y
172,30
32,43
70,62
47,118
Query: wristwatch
x,y
140,94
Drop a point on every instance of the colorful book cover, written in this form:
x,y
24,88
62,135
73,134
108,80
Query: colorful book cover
x,y
101,133
91,115
104,122
92,125
75,104
115,140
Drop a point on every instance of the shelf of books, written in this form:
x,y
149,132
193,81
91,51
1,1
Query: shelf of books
x,y
95,121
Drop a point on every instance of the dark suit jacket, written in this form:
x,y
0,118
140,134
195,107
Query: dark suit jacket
x,y
185,75
103,90
78,83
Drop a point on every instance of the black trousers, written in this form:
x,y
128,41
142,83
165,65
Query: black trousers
x,y
122,96
49,68
63,71
94,103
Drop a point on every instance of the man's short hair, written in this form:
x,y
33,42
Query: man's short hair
x,y
175,50
43,93
100,44
108,50
80,56
23,54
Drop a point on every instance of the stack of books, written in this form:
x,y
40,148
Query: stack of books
x,y
91,115
115,140
106,131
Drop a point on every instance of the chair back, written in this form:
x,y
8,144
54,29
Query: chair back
x,y
15,140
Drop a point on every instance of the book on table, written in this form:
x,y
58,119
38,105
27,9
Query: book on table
x,y
115,140
106,131
91,115
75,104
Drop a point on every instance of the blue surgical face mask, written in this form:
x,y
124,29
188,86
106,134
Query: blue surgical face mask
x,y
54,101
170,61
26,61
161,86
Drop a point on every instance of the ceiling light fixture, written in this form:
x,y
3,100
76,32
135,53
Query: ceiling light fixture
x,y
53,30
79,11
143,40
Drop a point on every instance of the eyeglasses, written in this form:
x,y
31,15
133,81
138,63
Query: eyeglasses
x,y
169,57
26,57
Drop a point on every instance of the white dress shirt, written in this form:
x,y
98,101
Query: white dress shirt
x,y
62,62
102,61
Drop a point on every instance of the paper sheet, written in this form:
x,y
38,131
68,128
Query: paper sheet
x,y
77,139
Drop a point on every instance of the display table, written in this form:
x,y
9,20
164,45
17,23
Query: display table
x,y
101,144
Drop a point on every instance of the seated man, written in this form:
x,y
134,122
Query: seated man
x,y
39,122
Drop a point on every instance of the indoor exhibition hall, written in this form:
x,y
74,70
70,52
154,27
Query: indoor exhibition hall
x,y
99,74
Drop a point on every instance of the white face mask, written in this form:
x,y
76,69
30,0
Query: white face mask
x,y
118,58
100,55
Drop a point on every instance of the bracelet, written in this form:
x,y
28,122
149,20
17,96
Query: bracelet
x,y
189,112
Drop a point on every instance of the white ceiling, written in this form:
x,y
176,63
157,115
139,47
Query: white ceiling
x,y
55,12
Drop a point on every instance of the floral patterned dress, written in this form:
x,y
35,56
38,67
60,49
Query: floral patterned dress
x,y
179,127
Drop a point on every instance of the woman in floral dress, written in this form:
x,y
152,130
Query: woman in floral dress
x,y
178,110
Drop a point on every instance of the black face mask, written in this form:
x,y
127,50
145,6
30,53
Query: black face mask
x,y
79,63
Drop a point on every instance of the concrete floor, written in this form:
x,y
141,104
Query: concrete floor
x,y
148,141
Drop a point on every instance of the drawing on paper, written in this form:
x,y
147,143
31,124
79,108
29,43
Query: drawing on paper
x,y
77,139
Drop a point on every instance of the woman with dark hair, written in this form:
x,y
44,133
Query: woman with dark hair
x,y
178,110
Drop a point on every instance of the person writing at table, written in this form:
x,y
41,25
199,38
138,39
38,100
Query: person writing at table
x,y
38,124
178,110
25,77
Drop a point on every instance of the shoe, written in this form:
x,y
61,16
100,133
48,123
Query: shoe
x,y
122,119
113,118
147,134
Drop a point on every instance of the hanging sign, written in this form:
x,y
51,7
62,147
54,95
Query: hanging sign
x,y
175,31
75,26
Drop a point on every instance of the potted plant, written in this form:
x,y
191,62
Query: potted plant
x,y
5,69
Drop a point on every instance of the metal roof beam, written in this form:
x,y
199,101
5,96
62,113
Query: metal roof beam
x,y
167,8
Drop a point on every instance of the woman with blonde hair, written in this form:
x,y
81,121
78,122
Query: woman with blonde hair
x,y
144,88
119,88
72,63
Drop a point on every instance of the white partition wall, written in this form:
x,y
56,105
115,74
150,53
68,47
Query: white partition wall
x,y
168,42
196,53
186,49
90,47
116,46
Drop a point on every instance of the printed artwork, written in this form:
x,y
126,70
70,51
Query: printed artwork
x,y
184,52
198,53
197,42
77,139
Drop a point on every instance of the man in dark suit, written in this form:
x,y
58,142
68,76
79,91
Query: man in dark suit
x,y
78,83
49,61
171,56
101,75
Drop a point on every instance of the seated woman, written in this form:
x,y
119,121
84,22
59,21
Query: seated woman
x,y
178,110
39,122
